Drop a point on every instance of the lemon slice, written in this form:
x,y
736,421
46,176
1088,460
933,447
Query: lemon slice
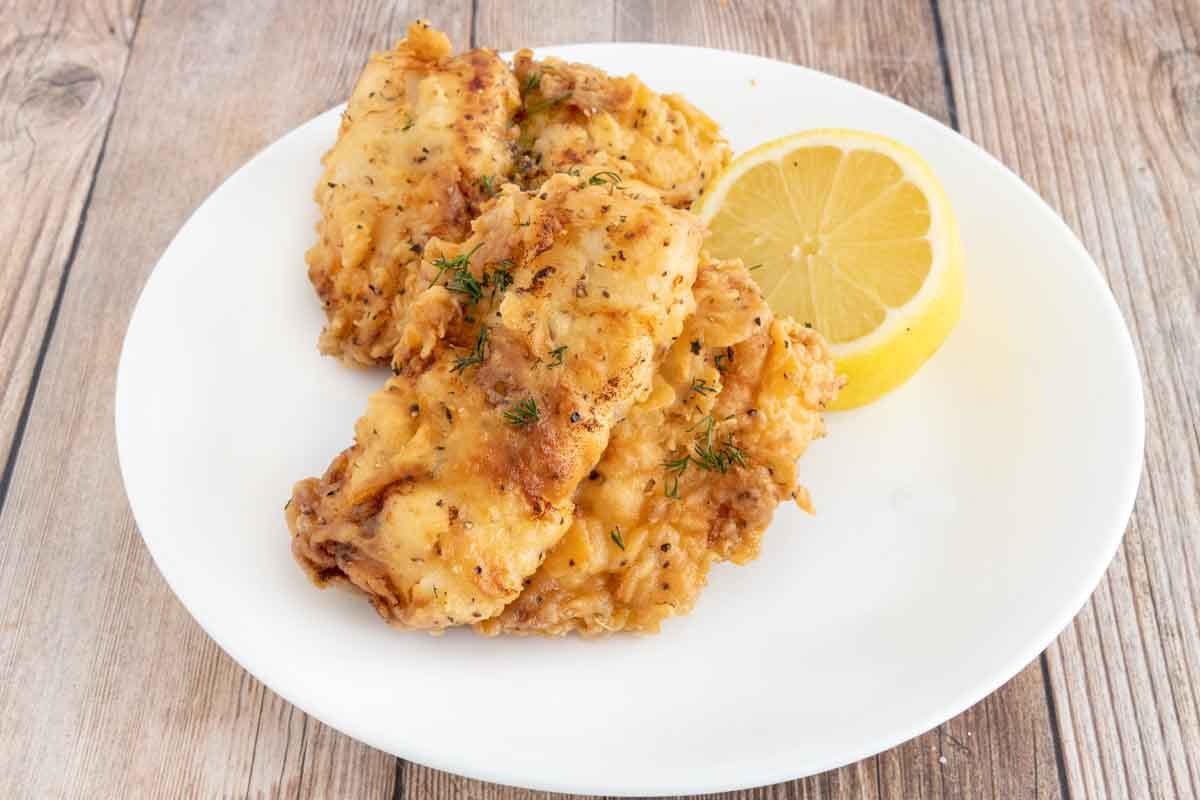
x,y
851,233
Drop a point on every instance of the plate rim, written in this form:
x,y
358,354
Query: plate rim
x,y
1130,479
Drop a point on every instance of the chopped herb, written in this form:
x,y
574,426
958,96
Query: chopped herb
x,y
408,122
718,458
601,178
675,469
501,278
455,263
545,104
705,454
477,356
486,183
573,172
756,266
461,278
733,453
719,361
616,537
557,353
522,414
463,282
533,81
678,465
701,386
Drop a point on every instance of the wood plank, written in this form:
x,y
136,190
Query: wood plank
x,y
62,65
125,693
507,25
1095,104
891,48
1004,746
1000,748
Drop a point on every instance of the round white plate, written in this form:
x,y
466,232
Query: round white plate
x,y
961,521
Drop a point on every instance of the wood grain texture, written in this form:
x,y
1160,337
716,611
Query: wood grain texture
x,y
1001,748
60,72
1097,106
1004,746
513,24
890,47
110,689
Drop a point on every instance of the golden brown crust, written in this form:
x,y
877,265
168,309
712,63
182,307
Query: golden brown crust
x,y
634,556
464,468
511,474
420,134
577,116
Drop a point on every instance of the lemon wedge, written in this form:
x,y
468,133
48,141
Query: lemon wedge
x,y
851,233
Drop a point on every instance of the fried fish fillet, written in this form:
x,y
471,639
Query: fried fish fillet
x,y
575,115
693,475
420,142
533,338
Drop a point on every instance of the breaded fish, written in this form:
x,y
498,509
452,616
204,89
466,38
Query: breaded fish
x,y
529,342
577,116
693,475
426,139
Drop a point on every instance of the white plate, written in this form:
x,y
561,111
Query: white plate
x,y
961,521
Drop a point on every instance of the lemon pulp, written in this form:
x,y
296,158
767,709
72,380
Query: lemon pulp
x,y
851,233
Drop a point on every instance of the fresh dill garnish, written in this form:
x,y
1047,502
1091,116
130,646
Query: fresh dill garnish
x,y
675,469
545,104
501,278
463,282
522,414
533,81
615,535
677,465
478,354
456,263
461,279
485,182
733,453
558,353
707,455
601,178
573,172
756,266
701,386
719,361
408,122
718,458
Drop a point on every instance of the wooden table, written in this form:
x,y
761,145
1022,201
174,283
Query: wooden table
x,y
117,118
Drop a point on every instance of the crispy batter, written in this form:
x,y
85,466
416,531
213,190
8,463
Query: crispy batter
x,y
574,433
423,137
464,467
740,392
574,115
